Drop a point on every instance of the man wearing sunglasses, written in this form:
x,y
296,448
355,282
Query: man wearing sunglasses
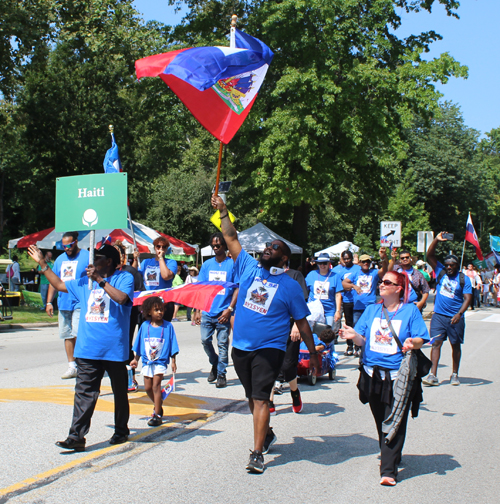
x,y
219,268
158,272
267,299
419,288
68,266
103,340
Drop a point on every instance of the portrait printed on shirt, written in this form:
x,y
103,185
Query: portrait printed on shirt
x,y
218,276
448,287
68,270
153,347
260,296
364,282
381,339
152,276
98,307
321,289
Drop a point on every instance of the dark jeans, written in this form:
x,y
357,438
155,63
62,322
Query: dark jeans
x,y
349,319
87,388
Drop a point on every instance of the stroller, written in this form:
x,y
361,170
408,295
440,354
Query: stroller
x,y
328,359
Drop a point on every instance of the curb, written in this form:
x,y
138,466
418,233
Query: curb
x,y
31,325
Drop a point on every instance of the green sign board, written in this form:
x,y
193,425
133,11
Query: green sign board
x,y
91,202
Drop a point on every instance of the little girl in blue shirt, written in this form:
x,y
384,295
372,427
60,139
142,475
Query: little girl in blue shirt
x,y
155,344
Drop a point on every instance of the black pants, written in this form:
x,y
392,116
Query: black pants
x,y
135,319
349,320
87,388
288,371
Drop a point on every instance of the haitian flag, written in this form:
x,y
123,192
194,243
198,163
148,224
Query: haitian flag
x,y
112,162
471,237
165,391
218,85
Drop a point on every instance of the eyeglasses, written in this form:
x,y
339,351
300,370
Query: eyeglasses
x,y
388,282
404,258
274,246
69,245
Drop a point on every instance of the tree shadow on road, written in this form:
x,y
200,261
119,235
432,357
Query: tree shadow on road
x,y
324,450
419,465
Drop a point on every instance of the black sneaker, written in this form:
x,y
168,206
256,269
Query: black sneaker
x,y
155,421
269,441
221,381
256,462
117,439
213,374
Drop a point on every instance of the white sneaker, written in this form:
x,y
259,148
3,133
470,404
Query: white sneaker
x,y
70,373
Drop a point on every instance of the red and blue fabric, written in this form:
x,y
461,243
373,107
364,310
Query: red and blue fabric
x,y
218,85
471,237
170,387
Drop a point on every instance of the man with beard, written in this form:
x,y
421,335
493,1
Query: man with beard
x,y
103,342
266,300
68,266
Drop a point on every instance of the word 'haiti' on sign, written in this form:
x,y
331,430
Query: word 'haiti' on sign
x,y
84,193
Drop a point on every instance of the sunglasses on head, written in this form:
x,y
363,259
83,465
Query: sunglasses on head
x,y
69,245
274,246
388,282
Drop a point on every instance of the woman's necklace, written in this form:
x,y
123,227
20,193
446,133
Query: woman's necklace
x,y
384,320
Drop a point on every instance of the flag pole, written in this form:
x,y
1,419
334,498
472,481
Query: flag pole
x,y
462,260
232,44
91,253
112,130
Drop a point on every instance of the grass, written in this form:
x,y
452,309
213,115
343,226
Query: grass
x,y
29,315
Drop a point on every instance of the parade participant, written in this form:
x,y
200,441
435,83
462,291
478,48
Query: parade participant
x,y
44,283
382,359
177,282
421,266
453,297
155,344
68,266
325,285
266,300
191,278
13,272
475,281
102,344
347,269
419,288
158,273
135,316
364,283
219,268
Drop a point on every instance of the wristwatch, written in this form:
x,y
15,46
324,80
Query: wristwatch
x,y
43,270
230,308
103,283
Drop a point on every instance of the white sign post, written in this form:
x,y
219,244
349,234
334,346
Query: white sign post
x,y
424,239
390,233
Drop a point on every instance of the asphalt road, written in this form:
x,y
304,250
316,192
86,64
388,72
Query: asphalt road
x,y
327,453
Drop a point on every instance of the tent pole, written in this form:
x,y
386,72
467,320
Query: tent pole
x,y
131,226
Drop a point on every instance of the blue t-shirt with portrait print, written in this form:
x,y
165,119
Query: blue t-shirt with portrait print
x,y
380,348
70,268
103,332
449,293
156,345
348,296
211,271
264,307
150,271
368,283
324,288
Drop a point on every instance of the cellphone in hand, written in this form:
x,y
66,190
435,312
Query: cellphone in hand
x,y
448,236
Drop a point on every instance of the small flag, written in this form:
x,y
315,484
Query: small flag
x,y
112,162
471,237
165,391
105,239
216,220
495,243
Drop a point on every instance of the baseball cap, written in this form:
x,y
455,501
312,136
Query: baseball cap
x,y
420,263
365,257
109,252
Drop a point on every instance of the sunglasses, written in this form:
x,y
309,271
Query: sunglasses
x,y
388,282
404,258
366,262
161,246
69,245
274,246
323,264
217,246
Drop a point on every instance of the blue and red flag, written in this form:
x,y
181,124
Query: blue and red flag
x,y
218,85
170,387
471,237
199,295
112,163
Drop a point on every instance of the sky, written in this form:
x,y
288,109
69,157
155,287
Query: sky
x,y
473,40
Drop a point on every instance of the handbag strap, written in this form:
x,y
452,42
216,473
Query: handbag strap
x,y
394,335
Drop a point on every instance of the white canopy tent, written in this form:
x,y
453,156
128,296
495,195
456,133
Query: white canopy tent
x,y
336,250
254,240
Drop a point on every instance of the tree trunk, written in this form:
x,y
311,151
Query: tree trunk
x,y
300,224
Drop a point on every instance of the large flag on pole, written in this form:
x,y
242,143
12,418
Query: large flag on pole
x,y
112,162
471,237
218,85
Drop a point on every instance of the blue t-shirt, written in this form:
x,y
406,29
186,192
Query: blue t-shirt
x,y
70,268
156,345
150,271
265,304
317,342
212,270
348,296
324,288
449,294
368,283
380,348
103,332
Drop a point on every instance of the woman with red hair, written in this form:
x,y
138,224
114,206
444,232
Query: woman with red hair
x,y
382,359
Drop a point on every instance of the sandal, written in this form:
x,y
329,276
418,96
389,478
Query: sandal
x,y
348,351
386,481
